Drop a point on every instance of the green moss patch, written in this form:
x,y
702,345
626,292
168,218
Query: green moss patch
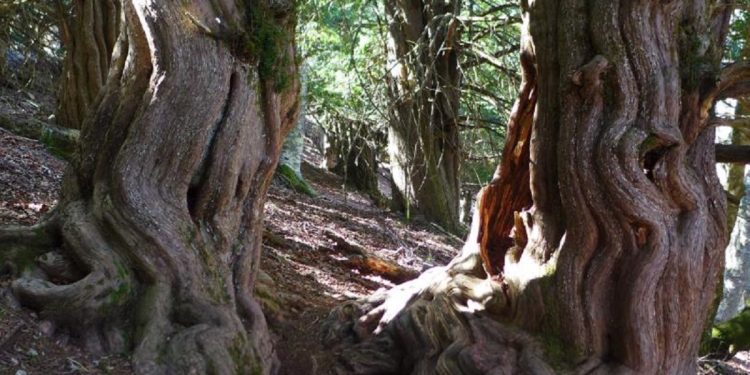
x,y
732,336
290,178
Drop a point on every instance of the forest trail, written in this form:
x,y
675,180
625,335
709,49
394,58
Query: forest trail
x,y
318,251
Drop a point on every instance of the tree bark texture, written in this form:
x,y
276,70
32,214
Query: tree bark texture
x,y
423,84
155,244
89,36
598,246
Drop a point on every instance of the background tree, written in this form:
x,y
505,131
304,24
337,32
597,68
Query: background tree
x,y
155,243
423,89
346,42
88,32
289,170
737,270
729,335
603,231
29,48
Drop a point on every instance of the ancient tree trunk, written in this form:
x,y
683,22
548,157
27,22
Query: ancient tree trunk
x,y
89,37
156,242
602,235
423,85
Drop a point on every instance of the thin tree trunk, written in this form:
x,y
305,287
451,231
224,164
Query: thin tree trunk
x,y
160,219
423,85
89,37
736,286
293,149
598,246
352,153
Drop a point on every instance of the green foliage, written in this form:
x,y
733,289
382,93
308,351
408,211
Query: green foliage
x,y
344,47
342,44
491,77
738,27
30,47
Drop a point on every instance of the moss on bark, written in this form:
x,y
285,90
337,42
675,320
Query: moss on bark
x,y
287,175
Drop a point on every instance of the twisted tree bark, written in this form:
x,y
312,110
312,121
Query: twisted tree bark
x,y
155,244
89,35
598,246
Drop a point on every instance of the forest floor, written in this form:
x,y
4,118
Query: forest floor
x,y
318,252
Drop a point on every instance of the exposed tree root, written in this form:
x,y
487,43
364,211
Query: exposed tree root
x,y
175,331
105,288
444,322
19,245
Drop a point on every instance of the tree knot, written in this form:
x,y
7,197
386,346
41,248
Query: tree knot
x,y
590,74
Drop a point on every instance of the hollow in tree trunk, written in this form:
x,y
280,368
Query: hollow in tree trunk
x,y
424,90
155,244
598,246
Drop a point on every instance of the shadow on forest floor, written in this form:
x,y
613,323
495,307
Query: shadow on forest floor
x,y
317,252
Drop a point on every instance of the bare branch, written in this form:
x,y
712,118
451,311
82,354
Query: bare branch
x,y
732,154
742,122
734,81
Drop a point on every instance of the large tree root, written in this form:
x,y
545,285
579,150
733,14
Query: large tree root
x,y
88,285
19,245
444,322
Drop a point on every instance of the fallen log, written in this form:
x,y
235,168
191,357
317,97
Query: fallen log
x,y
366,262
61,142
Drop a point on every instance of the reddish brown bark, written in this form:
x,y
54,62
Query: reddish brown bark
x,y
509,192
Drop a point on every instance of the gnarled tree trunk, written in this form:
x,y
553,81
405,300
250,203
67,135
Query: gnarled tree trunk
x,y
598,246
423,85
89,35
156,241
